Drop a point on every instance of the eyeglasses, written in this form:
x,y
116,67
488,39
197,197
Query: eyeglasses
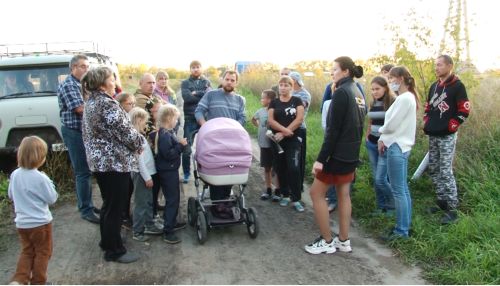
x,y
84,66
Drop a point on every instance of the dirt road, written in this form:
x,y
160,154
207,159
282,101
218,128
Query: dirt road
x,y
228,257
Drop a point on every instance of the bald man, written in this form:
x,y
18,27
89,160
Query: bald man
x,y
145,92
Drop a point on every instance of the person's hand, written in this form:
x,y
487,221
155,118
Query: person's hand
x,y
279,136
317,167
149,184
183,141
381,147
288,133
193,93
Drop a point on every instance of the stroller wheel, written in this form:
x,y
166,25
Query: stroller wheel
x,y
201,227
252,223
191,211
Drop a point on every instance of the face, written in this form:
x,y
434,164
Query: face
x,y
80,68
161,81
229,82
128,104
264,100
147,84
141,123
378,91
285,88
284,72
109,85
442,68
196,71
154,110
170,124
338,73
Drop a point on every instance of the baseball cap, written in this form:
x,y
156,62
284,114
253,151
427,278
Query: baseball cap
x,y
296,76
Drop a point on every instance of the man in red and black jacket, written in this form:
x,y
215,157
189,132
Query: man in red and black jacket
x,y
446,109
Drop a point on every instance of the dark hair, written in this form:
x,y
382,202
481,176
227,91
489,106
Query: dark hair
x,y
389,95
447,59
408,80
386,68
231,72
346,63
194,63
76,58
269,93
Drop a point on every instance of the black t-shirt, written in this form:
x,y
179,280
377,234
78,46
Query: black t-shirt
x,y
285,112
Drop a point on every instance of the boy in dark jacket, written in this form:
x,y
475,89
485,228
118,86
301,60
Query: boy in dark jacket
x,y
446,108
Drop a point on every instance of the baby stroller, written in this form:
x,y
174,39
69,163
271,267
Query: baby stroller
x,y
222,156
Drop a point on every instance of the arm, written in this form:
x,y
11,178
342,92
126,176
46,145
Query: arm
x,y
463,109
273,123
395,114
242,117
427,106
255,120
187,93
143,170
119,126
73,98
297,122
201,110
324,112
49,194
168,148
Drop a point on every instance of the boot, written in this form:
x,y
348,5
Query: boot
x,y
441,205
449,216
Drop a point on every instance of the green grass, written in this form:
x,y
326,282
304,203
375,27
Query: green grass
x,y
466,252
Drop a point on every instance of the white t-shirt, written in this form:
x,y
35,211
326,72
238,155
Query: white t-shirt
x,y
400,123
32,192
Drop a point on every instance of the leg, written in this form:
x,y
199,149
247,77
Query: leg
x,y
344,210
292,157
171,192
268,174
76,150
113,186
447,152
317,192
26,258
154,193
434,166
126,210
143,208
281,173
42,240
383,191
303,136
190,126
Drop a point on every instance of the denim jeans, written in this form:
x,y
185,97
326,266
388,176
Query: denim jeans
x,y
397,168
76,150
378,163
190,125
331,194
171,191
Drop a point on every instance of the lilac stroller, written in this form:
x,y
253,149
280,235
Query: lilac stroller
x,y
222,156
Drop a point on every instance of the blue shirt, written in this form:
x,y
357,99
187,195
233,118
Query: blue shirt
x,y
218,103
69,95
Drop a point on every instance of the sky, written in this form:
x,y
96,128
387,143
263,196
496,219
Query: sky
x,y
217,32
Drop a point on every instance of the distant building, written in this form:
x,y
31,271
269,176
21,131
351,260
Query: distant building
x,y
242,66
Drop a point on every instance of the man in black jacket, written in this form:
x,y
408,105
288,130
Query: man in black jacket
x,y
193,89
446,108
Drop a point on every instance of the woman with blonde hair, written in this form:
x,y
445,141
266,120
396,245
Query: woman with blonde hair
x,y
163,89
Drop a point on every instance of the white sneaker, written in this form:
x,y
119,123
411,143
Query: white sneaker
x,y
320,246
342,246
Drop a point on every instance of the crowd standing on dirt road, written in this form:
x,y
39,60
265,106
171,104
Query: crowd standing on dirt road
x,y
116,142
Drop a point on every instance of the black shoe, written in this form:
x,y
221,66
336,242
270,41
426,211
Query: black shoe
x,y
97,210
92,218
127,258
449,217
171,238
179,225
432,210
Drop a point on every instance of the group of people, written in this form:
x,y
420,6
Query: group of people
x,y
129,143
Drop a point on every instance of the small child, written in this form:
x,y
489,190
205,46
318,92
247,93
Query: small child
x,y
143,183
168,150
32,192
266,151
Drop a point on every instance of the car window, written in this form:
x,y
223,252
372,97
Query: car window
x,y
32,81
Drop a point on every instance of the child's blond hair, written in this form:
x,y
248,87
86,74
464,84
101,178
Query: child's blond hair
x,y
32,152
166,114
137,115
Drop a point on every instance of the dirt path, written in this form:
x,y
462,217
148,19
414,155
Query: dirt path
x,y
228,257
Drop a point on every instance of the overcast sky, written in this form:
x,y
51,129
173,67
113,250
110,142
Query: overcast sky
x,y
172,33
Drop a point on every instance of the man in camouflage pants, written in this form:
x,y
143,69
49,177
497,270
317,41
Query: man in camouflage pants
x,y
446,108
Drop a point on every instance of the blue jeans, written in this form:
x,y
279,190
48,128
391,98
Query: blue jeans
x,y
76,150
190,125
397,168
378,163
331,195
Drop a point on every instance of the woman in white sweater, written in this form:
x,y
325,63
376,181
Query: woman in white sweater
x,y
396,139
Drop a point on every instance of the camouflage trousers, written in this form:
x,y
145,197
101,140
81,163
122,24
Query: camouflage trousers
x,y
441,153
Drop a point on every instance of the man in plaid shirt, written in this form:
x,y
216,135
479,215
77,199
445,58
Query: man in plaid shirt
x,y
71,110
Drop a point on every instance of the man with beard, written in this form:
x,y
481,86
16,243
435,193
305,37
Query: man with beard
x,y
222,102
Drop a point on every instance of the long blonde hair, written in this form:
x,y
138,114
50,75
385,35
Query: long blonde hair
x,y
137,115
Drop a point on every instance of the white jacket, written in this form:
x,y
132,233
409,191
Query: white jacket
x,y
146,162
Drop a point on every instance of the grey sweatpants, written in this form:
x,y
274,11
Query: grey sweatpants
x,y
143,204
441,153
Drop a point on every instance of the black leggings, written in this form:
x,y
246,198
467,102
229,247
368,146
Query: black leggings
x,y
288,168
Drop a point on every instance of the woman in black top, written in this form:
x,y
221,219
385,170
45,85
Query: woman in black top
x,y
285,117
339,156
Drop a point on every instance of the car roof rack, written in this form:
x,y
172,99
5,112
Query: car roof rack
x,y
55,48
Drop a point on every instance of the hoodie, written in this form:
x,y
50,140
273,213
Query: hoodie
x,y
446,108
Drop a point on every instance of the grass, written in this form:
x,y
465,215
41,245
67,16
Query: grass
x,y
466,252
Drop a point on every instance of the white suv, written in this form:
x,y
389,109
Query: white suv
x,y
28,97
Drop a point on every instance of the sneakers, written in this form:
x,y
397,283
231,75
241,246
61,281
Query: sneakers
x,y
186,178
284,202
158,220
319,246
298,206
343,246
179,225
153,230
140,237
92,218
171,238
275,198
264,196
127,258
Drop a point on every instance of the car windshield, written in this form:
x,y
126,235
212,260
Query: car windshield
x,y
33,81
